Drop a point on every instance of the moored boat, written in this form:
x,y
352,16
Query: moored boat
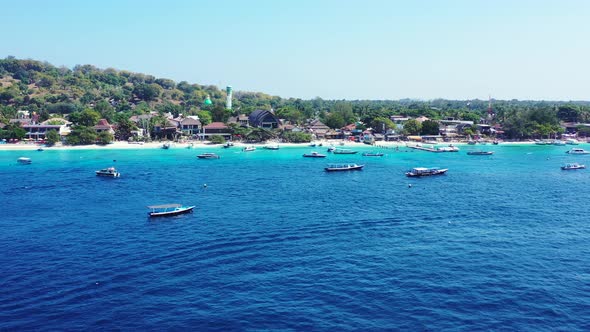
x,y
271,147
249,148
572,166
228,144
108,172
372,154
343,167
314,154
423,171
344,151
572,142
577,151
208,155
166,146
480,153
331,149
24,161
168,210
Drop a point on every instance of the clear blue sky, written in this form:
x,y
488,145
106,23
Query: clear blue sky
x,y
334,49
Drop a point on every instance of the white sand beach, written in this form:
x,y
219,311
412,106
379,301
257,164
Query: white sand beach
x,y
203,145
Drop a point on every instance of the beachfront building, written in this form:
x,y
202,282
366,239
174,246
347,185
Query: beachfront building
x,y
450,127
241,120
318,129
215,129
103,125
573,127
263,119
399,122
190,126
38,131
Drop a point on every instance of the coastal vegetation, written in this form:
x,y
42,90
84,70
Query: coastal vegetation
x,y
85,94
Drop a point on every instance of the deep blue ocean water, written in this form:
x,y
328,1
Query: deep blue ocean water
x,y
500,243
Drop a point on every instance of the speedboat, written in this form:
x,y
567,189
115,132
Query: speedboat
x,y
228,144
558,142
248,148
271,147
24,161
314,154
572,142
422,171
577,151
343,167
108,172
372,154
480,153
169,210
344,151
208,155
572,166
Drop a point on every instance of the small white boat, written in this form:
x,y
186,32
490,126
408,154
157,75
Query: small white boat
x,y
572,142
208,155
577,151
24,161
572,166
422,171
108,172
228,145
314,154
168,210
344,151
249,148
480,153
372,154
558,142
271,147
343,167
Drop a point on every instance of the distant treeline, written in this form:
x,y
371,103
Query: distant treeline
x,y
42,88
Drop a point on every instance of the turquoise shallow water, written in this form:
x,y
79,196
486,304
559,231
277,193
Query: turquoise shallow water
x,y
276,243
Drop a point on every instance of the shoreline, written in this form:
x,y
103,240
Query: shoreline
x,y
123,145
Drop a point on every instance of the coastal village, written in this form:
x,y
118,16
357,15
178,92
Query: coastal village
x,y
191,129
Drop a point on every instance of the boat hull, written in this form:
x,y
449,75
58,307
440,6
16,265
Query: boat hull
x,y
172,213
486,153
423,174
109,175
337,169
